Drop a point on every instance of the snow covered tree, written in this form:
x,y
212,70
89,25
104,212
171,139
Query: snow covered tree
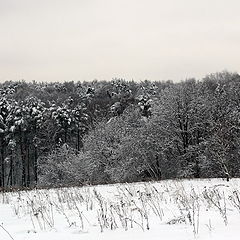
x,y
61,167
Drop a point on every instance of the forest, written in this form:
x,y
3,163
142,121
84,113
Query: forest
x,y
99,132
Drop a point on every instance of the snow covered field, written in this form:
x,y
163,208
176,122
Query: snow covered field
x,y
188,209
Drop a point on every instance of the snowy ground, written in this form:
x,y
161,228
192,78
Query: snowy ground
x,y
189,209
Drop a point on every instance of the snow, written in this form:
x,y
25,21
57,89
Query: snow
x,y
173,209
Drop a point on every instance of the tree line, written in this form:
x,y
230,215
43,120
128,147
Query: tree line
x,y
54,134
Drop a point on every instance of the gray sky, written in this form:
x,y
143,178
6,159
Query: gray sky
x,y
51,40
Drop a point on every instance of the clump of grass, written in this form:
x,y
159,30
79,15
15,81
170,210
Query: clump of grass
x,y
130,206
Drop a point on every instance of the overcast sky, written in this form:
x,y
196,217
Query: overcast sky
x,y
51,40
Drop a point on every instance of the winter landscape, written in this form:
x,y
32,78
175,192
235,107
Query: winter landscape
x,y
119,119
60,141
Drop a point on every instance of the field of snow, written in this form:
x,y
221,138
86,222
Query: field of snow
x,y
173,209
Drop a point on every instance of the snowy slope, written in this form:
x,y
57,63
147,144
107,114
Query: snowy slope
x,y
188,209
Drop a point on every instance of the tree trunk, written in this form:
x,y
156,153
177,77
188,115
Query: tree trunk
x,y
10,175
35,165
28,164
2,164
22,157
